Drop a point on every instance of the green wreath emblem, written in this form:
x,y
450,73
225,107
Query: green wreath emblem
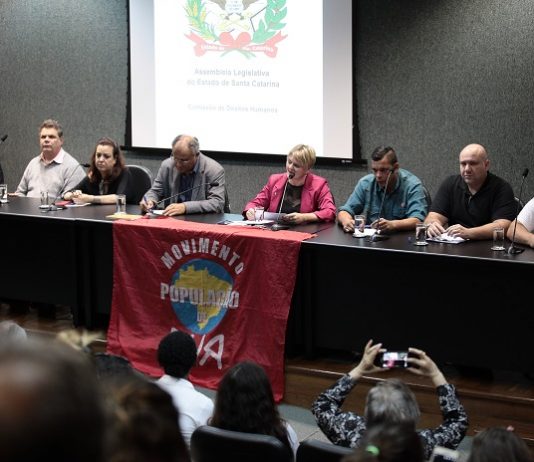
x,y
268,26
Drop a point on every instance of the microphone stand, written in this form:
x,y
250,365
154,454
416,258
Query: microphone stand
x,y
279,226
513,250
378,236
2,200
212,184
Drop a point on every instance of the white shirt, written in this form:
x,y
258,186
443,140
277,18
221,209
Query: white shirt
x,y
194,407
526,216
293,438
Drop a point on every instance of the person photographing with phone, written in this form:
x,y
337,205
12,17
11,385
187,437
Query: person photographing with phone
x,y
390,401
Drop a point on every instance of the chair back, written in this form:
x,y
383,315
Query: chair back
x,y
319,451
211,444
140,182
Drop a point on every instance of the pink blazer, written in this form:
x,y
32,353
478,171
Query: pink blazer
x,y
316,196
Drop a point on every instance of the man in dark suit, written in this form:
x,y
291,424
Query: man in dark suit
x,y
193,182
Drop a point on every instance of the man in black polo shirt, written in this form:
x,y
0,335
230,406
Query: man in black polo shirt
x,y
471,204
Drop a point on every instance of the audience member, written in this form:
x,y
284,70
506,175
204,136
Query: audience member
x,y
53,170
108,366
245,403
10,333
390,401
144,423
398,208
499,445
107,177
471,204
389,442
524,231
306,197
188,182
177,354
51,407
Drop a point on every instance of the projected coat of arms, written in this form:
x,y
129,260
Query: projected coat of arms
x,y
244,26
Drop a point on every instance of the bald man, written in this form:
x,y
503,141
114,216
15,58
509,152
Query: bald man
x,y
471,204
188,182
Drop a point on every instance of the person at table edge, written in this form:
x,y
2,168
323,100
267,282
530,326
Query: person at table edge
x,y
470,205
196,181
307,197
524,233
404,205
54,170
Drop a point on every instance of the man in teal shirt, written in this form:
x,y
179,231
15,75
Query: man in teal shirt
x,y
404,205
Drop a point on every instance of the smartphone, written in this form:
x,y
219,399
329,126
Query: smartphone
x,y
390,359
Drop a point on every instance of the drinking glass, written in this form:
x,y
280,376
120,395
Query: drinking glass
x,y
44,198
3,193
121,204
421,234
359,225
259,213
498,239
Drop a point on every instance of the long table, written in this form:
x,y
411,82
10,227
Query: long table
x,y
463,304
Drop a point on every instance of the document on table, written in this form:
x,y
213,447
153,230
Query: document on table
x,y
445,238
83,204
366,232
250,222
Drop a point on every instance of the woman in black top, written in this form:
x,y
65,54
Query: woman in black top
x,y
107,176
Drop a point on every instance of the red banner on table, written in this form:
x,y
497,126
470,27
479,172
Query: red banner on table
x,y
230,287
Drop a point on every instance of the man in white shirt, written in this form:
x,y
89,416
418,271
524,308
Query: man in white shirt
x,y
53,170
177,354
524,230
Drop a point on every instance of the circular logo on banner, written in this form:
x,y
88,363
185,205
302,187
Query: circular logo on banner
x,y
204,292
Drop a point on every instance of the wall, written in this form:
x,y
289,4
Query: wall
x,y
430,78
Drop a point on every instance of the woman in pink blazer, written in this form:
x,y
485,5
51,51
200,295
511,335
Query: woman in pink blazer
x,y
307,196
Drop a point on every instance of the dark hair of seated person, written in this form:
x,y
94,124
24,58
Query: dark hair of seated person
x,y
51,405
94,174
498,444
389,442
245,403
144,423
177,354
109,366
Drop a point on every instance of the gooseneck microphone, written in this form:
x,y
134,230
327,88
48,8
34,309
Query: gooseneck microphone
x,y
280,226
2,139
378,236
513,250
211,184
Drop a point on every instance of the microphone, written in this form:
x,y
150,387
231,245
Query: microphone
x,y
377,236
2,139
212,184
279,226
513,250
